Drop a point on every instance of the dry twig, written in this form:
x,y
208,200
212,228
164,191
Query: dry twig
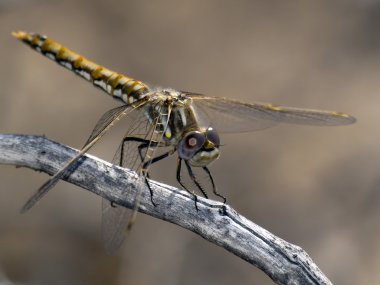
x,y
285,263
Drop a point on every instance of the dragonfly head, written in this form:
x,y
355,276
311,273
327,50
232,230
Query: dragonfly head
x,y
199,147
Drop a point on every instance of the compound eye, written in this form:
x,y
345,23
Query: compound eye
x,y
190,144
194,140
213,136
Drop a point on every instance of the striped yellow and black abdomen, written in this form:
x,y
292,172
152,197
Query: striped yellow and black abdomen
x,y
117,85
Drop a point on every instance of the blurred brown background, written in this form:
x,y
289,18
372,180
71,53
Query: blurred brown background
x,y
316,187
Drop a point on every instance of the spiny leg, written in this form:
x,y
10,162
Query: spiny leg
x,y
194,179
126,139
144,144
213,185
113,205
150,162
179,179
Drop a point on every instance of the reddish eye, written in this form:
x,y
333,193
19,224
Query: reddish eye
x,y
190,144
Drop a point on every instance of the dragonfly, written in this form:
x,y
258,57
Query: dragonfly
x,y
177,122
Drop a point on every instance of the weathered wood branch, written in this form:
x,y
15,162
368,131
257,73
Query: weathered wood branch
x,y
285,263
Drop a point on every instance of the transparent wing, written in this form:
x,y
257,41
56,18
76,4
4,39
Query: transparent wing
x,y
116,219
105,120
114,223
230,116
103,125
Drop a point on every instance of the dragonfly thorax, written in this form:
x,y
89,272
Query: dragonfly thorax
x,y
199,147
173,112
182,129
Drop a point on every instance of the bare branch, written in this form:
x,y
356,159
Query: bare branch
x,y
285,263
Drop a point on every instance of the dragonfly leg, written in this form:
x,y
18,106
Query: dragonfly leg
x,y
213,185
150,162
179,179
194,179
144,144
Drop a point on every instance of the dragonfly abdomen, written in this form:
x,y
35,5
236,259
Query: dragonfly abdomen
x,y
117,85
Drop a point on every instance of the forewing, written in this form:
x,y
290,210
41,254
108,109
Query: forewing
x,y
230,116
103,125
105,120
